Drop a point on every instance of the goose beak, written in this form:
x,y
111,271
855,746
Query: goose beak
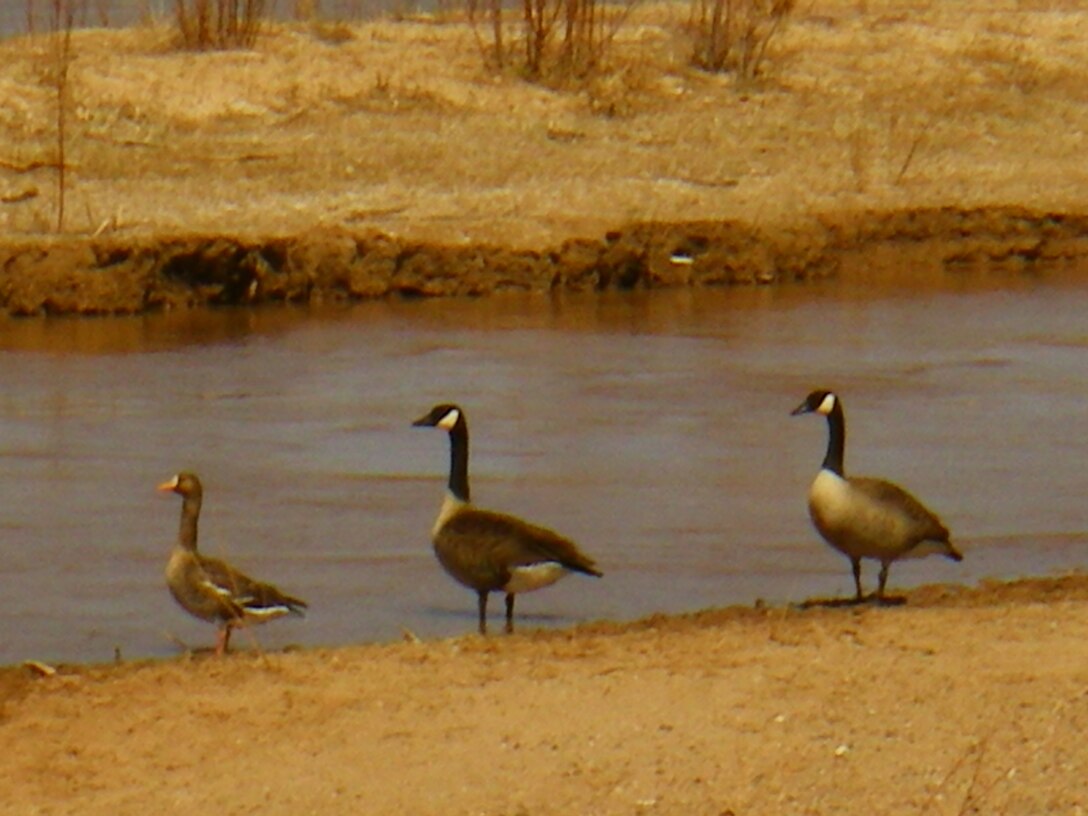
x,y
803,408
169,486
423,422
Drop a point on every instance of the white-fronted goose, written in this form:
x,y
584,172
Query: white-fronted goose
x,y
493,552
210,589
863,517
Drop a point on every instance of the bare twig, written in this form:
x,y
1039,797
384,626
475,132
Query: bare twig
x,y
61,23
913,149
972,796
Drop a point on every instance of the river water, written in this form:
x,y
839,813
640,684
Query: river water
x,y
654,429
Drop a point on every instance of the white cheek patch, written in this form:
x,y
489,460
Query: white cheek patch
x,y
827,406
449,420
534,576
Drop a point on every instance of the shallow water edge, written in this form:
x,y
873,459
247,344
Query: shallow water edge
x,y
16,678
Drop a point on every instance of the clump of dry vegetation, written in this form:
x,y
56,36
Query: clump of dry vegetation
x,y
552,40
549,41
733,35
208,24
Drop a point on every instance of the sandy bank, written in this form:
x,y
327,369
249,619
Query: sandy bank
x,y
964,700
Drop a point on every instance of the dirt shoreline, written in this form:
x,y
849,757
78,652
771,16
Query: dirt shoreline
x,y
963,700
119,275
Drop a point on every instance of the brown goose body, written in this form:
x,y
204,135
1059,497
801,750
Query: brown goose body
x,y
211,589
872,518
493,552
863,517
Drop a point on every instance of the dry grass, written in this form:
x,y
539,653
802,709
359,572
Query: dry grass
x,y
399,126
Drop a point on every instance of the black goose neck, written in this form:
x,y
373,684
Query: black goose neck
x,y
190,514
459,460
836,439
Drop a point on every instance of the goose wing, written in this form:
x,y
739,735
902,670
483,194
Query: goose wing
x,y
506,541
243,594
894,499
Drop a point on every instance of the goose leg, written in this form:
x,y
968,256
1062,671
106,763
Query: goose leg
x,y
856,564
222,640
883,580
509,613
481,602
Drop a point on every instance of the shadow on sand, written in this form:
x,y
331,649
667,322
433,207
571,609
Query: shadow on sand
x,y
837,603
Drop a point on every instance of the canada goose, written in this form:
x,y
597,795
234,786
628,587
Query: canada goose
x,y
493,552
867,518
210,589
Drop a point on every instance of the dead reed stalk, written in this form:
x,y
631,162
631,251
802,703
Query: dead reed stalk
x,y
61,23
557,40
588,32
218,24
733,35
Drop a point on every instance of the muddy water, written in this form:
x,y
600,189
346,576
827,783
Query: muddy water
x,y
654,429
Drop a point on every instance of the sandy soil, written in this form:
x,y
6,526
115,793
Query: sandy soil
x,y
340,162
962,701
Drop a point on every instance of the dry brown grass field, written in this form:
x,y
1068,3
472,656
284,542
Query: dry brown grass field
x,y
398,132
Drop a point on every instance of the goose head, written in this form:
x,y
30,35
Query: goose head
x,y
445,416
184,484
820,401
